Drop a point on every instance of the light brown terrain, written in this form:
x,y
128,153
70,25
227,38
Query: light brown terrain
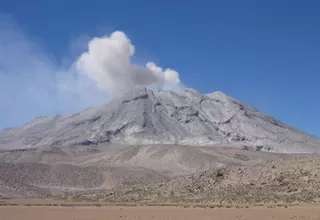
x,y
158,213
192,175
288,180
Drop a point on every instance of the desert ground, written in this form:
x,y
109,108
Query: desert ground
x,y
307,212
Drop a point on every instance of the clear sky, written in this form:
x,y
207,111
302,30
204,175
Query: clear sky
x,y
264,53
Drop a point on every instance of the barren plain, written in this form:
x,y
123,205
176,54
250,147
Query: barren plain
x,y
159,213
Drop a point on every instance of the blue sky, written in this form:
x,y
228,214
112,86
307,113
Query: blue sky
x,y
264,53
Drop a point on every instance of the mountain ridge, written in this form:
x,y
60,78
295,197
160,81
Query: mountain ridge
x,y
143,116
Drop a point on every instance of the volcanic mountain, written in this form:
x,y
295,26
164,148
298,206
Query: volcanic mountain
x,y
147,117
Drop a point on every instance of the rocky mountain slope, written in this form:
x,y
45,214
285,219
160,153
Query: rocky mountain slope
x,y
145,117
55,171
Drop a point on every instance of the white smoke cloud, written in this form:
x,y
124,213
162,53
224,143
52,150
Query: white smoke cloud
x,y
33,83
108,63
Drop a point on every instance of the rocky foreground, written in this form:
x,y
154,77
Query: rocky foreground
x,y
210,175
288,180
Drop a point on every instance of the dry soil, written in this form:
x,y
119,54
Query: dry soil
x,y
158,213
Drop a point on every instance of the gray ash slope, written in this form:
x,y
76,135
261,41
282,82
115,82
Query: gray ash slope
x,y
145,117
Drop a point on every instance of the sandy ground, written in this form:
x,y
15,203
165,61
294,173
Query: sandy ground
x,y
158,213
